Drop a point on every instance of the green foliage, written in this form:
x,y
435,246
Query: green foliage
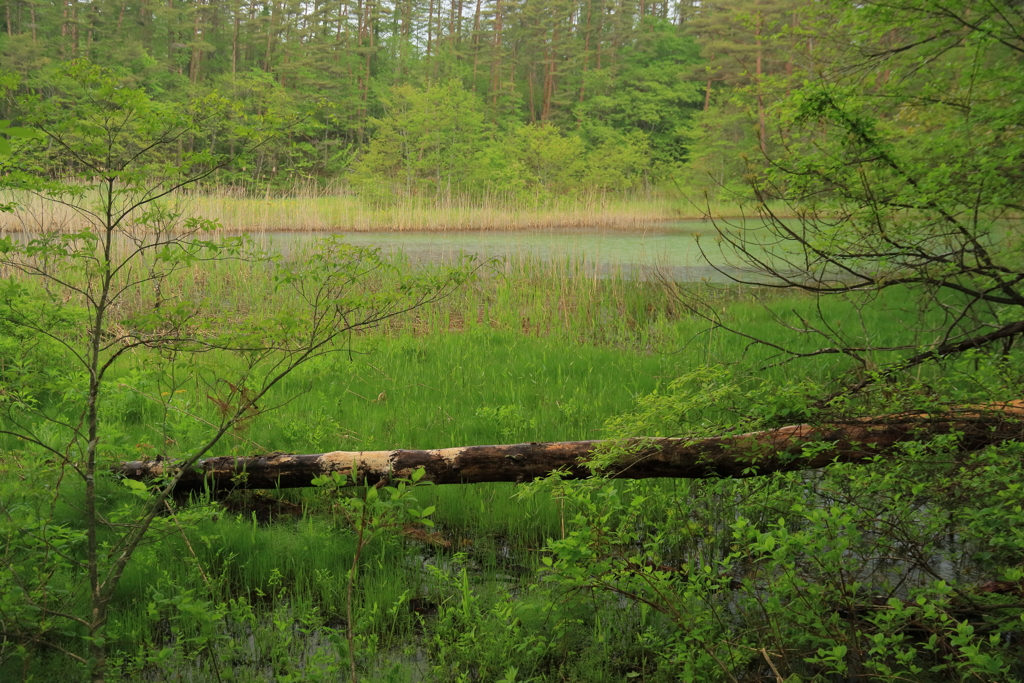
x,y
277,592
337,75
903,172
437,143
719,141
511,422
372,514
108,284
427,143
711,401
78,108
548,161
9,132
649,97
873,571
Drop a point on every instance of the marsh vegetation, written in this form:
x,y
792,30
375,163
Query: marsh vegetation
x,y
253,585
856,171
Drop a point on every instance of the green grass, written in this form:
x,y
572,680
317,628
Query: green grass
x,y
528,352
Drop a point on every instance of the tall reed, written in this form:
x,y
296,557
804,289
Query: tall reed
x,y
312,209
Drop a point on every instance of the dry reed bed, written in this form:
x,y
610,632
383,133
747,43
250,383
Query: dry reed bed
x,y
345,213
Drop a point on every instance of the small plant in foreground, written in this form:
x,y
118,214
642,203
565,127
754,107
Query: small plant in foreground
x,y
374,511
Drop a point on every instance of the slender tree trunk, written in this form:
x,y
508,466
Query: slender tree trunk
x,y
438,36
170,34
451,25
530,81
342,18
549,76
286,45
98,595
496,56
476,41
93,9
234,44
270,37
249,46
74,28
369,54
586,48
430,26
458,23
761,133
792,48
197,53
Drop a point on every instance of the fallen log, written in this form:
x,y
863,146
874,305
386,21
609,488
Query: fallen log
x,y
796,447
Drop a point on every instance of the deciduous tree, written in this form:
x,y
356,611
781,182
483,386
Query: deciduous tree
x,y
90,290
902,165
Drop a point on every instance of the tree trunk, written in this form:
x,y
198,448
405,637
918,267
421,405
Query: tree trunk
x,y
549,76
170,34
430,26
745,455
586,52
476,41
761,133
197,53
496,56
236,10
270,37
74,29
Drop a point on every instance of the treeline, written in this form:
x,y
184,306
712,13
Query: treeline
x,y
432,98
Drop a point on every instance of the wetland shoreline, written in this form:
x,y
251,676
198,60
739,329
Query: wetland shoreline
x,y
350,214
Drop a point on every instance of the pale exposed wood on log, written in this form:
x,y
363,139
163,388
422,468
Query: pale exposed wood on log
x,y
796,447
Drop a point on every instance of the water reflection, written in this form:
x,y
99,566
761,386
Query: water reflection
x,y
672,249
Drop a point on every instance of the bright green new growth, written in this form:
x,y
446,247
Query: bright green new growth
x,y
96,292
902,295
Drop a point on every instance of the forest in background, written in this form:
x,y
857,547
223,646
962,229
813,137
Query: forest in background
x,y
412,97
892,293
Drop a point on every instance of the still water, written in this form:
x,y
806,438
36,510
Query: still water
x,y
671,249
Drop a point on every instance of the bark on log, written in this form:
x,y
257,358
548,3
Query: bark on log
x,y
746,455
